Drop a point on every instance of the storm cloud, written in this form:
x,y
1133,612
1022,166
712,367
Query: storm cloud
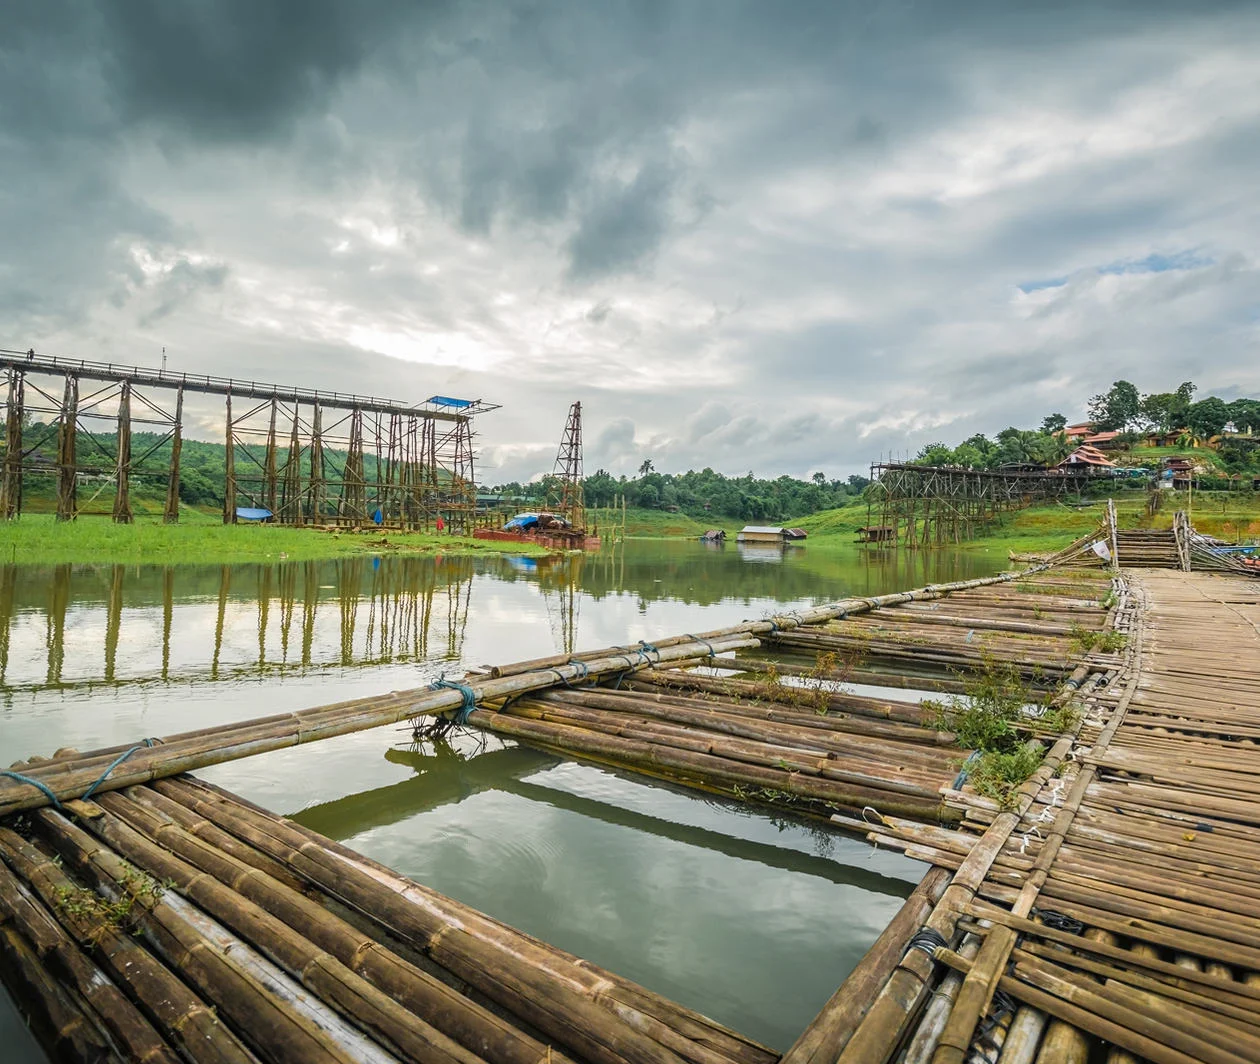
x,y
745,235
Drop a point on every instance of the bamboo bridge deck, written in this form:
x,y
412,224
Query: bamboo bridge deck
x,y
146,915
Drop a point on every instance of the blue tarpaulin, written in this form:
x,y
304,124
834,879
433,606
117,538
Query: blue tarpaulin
x,y
252,513
446,400
521,522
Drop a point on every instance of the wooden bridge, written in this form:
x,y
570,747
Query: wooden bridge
x,y
304,455
1104,910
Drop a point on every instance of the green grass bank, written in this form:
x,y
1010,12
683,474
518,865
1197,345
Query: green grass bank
x,y
38,539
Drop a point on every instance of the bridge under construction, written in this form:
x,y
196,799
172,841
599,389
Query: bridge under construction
x,y
297,456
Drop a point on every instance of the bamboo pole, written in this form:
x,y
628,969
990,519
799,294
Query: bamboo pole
x,y
182,1017
163,821
53,954
831,1029
573,1003
387,1021
179,753
279,1020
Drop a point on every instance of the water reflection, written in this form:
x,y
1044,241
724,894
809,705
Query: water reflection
x,y
267,620
73,627
747,917
445,775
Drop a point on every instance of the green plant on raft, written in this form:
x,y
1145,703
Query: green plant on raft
x,y
999,775
1060,719
992,705
1087,640
102,915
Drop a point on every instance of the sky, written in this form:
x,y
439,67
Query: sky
x,y
778,237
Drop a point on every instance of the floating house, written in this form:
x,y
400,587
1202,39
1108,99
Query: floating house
x,y
877,534
769,534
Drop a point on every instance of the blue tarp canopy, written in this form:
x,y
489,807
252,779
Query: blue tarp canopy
x,y
521,521
446,400
252,513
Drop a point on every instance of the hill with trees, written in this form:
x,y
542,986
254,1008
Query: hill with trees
x,y
1227,429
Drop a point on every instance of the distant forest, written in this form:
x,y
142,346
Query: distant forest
x,y
746,498
1227,428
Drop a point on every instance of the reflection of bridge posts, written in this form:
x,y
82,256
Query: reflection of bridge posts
x,y
225,581
348,593
113,620
168,609
8,582
288,587
56,629
264,610
310,602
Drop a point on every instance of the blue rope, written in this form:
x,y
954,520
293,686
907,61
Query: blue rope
x,y
697,639
34,783
961,778
117,761
470,696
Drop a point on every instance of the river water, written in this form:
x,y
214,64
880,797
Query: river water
x,y
747,917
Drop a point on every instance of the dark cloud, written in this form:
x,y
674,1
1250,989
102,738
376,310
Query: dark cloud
x,y
796,231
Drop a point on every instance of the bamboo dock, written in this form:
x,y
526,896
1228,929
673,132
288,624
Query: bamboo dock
x,y
147,915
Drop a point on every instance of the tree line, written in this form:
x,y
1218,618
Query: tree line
x,y
706,492
1230,426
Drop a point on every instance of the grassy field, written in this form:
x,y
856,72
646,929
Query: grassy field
x,y
659,524
37,539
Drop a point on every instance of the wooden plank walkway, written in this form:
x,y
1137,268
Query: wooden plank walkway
x,y
1115,913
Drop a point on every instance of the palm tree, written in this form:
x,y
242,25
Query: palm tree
x,y
646,467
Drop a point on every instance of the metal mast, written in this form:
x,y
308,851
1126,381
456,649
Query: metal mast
x,y
568,470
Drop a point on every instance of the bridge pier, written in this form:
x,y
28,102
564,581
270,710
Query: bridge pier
x,y
229,470
316,487
170,514
11,479
122,473
67,490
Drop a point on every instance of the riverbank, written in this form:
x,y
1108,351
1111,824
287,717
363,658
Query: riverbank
x,y
38,539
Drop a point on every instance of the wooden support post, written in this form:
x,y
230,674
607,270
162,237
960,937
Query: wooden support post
x,y
291,506
317,466
122,473
11,480
269,463
353,495
229,470
67,494
171,514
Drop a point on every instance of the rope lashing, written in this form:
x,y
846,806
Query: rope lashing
x,y
39,784
647,650
697,639
470,696
117,761
928,940
1060,921
583,669
965,771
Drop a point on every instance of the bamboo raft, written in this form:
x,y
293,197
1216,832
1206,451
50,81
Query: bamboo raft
x,y
146,915
1112,914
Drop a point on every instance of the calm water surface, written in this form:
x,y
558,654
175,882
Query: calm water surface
x,y
748,918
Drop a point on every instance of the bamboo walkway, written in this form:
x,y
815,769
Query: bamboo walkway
x,y
1114,914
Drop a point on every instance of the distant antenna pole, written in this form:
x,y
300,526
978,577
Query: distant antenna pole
x,y
163,359
569,469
